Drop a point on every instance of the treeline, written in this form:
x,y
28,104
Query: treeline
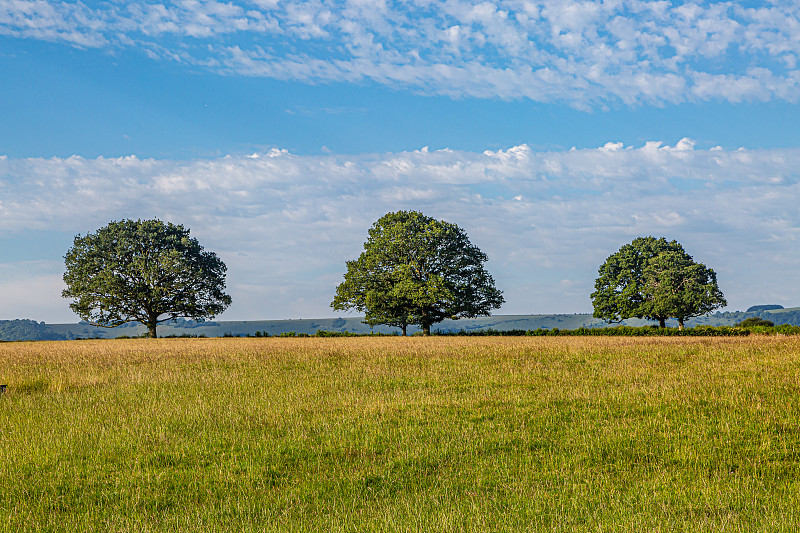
x,y
615,331
631,331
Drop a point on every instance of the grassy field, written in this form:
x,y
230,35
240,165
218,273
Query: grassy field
x,y
401,434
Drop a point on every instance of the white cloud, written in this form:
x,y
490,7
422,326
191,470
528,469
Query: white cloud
x,y
31,289
286,224
584,53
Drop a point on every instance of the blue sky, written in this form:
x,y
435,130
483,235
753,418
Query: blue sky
x,y
553,132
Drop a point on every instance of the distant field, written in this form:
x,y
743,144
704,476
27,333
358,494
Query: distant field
x,y
401,434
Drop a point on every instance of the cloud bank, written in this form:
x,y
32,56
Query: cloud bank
x,y
285,224
583,53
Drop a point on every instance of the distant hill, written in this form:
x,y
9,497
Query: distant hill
x,y
24,329
757,308
12,330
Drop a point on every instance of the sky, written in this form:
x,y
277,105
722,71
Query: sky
x,y
552,132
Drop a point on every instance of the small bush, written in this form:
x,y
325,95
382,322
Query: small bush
x,y
755,321
324,333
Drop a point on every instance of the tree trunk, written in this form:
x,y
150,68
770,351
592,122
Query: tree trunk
x,y
405,327
680,324
662,323
425,323
152,323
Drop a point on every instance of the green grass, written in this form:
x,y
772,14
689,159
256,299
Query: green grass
x,y
393,434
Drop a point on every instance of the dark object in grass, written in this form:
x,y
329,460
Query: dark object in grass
x,y
3,388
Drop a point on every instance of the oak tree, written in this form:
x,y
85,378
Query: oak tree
x,y
145,271
654,279
417,270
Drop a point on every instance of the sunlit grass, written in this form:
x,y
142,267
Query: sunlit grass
x,y
401,434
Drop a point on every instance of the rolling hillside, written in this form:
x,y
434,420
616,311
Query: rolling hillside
x,y
31,330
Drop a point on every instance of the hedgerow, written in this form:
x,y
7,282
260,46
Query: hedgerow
x,y
631,331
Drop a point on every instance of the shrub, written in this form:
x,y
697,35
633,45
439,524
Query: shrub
x,y
755,321
325,333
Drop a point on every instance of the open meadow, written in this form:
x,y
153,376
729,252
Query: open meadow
x,y
401,434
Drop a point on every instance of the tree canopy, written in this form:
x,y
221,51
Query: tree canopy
x,y
417,270
654,279
145,271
